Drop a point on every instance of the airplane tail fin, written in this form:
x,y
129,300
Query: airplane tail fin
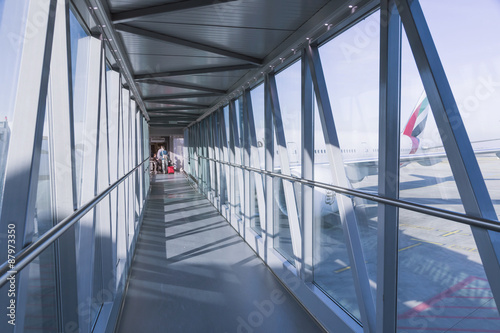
x,y
416,124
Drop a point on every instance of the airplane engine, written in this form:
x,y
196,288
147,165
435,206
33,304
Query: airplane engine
x,y
325,201
429,161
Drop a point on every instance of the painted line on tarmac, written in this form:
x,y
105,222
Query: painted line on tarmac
x,y
340,270
409,247
349,267
446,232
450,233
449,246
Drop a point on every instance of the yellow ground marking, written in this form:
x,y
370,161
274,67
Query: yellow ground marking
x,y
409,247
340,270
429,242
450,233
343,269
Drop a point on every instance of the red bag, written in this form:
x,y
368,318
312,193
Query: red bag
x,y
170,169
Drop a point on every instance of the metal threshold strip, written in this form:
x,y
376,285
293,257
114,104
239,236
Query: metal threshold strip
x,y
29,253
436,212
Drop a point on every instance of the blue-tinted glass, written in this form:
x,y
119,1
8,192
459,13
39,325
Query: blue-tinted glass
x,y
79,70
12,24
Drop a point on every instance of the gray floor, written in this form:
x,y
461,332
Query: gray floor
x,y
193,273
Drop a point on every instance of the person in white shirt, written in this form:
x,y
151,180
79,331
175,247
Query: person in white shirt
x,y
163,158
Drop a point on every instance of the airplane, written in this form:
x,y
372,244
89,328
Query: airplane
x,y
361,159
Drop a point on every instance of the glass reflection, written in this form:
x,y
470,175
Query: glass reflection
x,y
332,267
80,44
288,84
353,84
257,95
254,204
282,239
41,311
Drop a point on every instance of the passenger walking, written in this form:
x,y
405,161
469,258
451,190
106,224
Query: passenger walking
x,y
162,156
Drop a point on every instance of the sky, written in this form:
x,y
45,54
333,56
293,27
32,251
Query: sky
x,y
466,39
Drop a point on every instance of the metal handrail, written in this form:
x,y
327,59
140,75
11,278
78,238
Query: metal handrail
x,y
436,212
29,253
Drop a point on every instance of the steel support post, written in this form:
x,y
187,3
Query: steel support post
x,y
227,173
62,143
388,176
465,168
86,227
218,157
104,230
345,204
307,198
232,159
247,189
236,154
254,155
268,227
113,92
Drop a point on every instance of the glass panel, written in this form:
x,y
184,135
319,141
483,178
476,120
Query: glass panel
x,y
238,104
237,199
441,281
282,239
226,122
332,268
352,76
257,95
425,174
472,67
41,302
288,83
12,24
88,265
80,68
97,285
223,157
40,311
254,205
113,90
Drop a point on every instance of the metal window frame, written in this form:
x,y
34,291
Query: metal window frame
x,y
291,203
268,227
465,168
307,171
388,181
345,204
22,170
236,158
254,157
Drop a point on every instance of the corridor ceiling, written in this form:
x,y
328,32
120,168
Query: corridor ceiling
x,y
186,58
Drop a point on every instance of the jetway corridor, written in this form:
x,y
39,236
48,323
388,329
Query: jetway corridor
x,y
337,166
192,272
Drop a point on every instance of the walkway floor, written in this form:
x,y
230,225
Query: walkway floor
x,y
193,273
